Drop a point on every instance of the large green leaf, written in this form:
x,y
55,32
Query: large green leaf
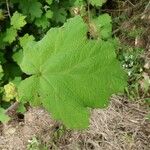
x,y
70,74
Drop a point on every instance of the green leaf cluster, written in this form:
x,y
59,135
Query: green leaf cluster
x,y
17,22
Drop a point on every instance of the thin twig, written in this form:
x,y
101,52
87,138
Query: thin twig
x,y
89,15
147,7
8,10
130,3
145,10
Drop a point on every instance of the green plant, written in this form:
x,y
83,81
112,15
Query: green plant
x,y
33,144
69,73
66,66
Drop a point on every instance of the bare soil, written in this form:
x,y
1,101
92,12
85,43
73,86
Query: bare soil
x,y
124,125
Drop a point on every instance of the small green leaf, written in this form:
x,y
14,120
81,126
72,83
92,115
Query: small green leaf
x,y
10,35
10,92
97,2
103,25
18,20
49,14
42,22
59,15
3,117
49,2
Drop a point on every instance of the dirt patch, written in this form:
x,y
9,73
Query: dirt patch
x,y
122,126
16,134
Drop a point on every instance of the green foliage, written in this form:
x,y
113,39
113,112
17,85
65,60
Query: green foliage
x,y
49,2
66,66
10,36
97,2
3,117
1,72
69,73
33,144
60,15
104,24
42,22
18,20
49,14
33,8
21,108
2,17
10,92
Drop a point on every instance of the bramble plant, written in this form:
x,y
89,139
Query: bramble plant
x,y
59,57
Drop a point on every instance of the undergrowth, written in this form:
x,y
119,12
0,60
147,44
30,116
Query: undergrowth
x,y
131,26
